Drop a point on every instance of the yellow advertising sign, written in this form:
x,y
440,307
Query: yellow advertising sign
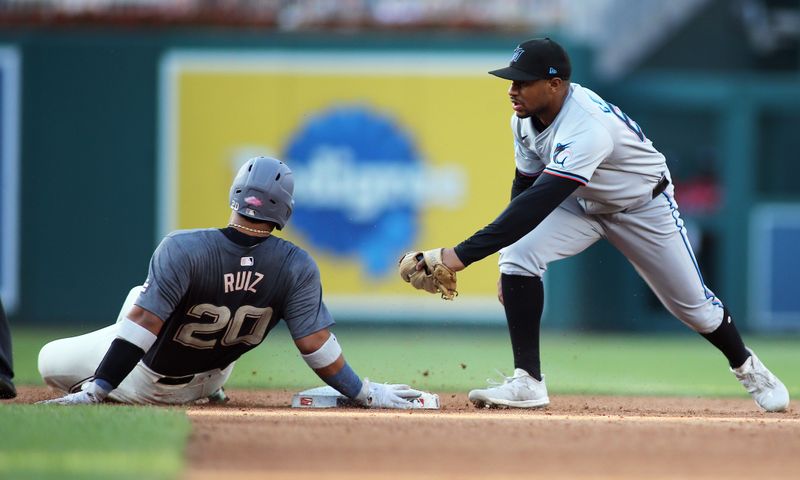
x,y
391,152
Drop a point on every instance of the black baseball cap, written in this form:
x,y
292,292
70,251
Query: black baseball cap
x,y
536,59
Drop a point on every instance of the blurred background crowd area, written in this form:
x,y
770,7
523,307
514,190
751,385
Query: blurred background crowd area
x,y
622,32
298,15
122,102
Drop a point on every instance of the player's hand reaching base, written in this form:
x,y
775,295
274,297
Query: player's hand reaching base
x,y
90,395
384,395
402,391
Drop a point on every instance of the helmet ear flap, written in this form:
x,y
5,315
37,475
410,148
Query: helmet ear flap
x,y
263,190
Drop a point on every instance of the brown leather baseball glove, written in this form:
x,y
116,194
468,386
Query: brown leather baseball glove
x,y
435,277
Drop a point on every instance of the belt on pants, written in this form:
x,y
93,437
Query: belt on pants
x,y
660,186
175,380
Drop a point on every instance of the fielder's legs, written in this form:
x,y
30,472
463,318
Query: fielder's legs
x,y
654,240
564,233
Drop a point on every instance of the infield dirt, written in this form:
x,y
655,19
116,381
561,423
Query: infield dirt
x,y
256,435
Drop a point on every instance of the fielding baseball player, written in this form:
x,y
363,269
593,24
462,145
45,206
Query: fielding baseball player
x,y
210,296
7,389
585,171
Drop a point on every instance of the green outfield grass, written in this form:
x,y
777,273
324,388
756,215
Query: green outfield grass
x,y
461,358
91,442
48,442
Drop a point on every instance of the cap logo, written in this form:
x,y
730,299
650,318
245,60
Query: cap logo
x,y
552,71
517,53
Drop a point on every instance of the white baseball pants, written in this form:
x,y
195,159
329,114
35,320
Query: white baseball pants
x,y
67,363
652,237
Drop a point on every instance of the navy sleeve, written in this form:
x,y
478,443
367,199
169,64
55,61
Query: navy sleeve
x,y
521,182
523,214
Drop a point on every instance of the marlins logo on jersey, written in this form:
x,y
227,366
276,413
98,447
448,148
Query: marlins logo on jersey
x,y
561,148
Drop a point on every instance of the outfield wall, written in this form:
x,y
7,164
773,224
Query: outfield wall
x,y
403,142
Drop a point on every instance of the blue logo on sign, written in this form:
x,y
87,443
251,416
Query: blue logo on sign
x,y
357,179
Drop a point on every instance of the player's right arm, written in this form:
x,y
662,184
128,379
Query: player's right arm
x,y
575,156
137,333
167,280
522,215
521,182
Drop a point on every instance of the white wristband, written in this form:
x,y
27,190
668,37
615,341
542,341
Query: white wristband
x,y
328,353
136,334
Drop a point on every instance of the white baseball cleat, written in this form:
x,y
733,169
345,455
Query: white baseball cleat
x,y
765,388
519,391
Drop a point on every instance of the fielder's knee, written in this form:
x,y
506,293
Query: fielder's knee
x,y
523,270
703,320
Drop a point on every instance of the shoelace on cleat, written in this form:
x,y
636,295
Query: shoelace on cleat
x,y
752,383
494,383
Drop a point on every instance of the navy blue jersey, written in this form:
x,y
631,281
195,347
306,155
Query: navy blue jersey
x,y
219,299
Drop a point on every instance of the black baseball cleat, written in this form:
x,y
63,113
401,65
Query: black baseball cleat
x,y
7,389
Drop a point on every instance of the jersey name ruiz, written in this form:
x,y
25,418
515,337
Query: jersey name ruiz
x,y
242,280
219,299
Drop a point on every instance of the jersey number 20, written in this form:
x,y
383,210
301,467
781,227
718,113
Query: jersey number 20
x,y
222,321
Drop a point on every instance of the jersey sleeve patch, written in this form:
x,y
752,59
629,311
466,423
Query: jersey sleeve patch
x,y
571,176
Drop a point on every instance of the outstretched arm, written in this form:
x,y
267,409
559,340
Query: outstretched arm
x,y
323,354
525,212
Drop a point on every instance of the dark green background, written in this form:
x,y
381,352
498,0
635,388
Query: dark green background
x,y
89,152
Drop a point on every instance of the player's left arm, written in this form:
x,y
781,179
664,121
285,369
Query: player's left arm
x,y
322,352
309,323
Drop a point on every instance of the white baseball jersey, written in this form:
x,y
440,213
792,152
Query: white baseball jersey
x,y
594,143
